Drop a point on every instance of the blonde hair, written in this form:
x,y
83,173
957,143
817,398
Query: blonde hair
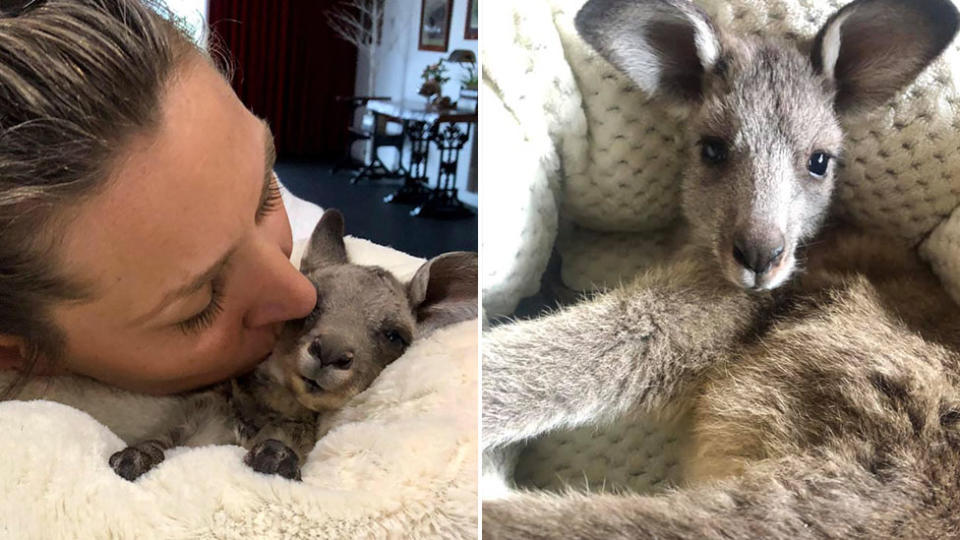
x,y
78,78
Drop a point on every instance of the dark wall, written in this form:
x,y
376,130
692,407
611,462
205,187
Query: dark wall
x,y
289,68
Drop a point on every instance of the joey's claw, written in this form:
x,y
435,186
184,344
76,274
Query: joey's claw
x,y
273,457
131,462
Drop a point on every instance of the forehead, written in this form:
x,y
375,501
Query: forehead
x,y
767,88
177,197
352,286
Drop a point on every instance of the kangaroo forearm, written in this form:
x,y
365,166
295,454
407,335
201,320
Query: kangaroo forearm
x,y
631,348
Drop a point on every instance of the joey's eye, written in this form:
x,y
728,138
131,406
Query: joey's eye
x,y
818,164
394,337
713,150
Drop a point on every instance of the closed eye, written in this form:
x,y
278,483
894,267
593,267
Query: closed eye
x,y
208,315
270,199
396,337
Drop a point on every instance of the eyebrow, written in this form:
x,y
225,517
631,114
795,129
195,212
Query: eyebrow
x,y
197,283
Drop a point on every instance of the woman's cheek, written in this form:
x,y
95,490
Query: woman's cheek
x,y
217,344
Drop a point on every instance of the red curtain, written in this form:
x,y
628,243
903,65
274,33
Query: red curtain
x,y
289,67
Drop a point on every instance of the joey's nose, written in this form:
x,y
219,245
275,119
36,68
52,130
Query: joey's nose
x,y
758,253
341,360
331,356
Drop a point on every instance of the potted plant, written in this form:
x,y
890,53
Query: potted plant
x,y
469,80
434,76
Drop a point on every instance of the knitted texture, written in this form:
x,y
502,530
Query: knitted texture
x,y
633,454
608,162
533,128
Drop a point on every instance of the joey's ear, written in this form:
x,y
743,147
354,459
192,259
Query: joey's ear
x,y
326,243
871,49
444,291
664,46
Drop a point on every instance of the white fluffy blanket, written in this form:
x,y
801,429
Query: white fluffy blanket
x,y
398,462
577,158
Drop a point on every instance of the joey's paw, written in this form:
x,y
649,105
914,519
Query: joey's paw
x,y
273,457
132,461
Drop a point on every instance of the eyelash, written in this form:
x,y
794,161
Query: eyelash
x,y
206,317
272,202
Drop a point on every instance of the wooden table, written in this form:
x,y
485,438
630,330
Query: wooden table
x,y
449,130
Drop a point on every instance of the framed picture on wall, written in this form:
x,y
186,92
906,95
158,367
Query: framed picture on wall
x,y
435,25
473,20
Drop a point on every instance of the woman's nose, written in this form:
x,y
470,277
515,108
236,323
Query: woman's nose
x,y
284,294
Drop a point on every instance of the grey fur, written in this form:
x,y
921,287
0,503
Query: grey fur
x,y
364,320
827,409
823,407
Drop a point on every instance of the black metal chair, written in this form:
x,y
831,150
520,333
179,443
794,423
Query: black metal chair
x,y
354,133
380,137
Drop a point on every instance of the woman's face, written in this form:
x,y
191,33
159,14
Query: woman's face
x,y
187,250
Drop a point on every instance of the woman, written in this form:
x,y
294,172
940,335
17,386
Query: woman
x,y
143,241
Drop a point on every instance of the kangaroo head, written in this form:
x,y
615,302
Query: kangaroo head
x,y
764,114
365,317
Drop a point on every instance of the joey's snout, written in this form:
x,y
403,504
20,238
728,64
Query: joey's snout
x,y
331,352
758,252
325,367
758,257
364,317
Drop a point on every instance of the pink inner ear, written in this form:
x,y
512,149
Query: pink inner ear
x,y
451,283
417,291
680,70
874,49
445,283
875,61
664,46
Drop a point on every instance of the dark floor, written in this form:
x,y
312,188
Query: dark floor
x,y
368,217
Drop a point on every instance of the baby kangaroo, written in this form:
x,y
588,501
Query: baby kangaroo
x,y
827,406
764,115
364,320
